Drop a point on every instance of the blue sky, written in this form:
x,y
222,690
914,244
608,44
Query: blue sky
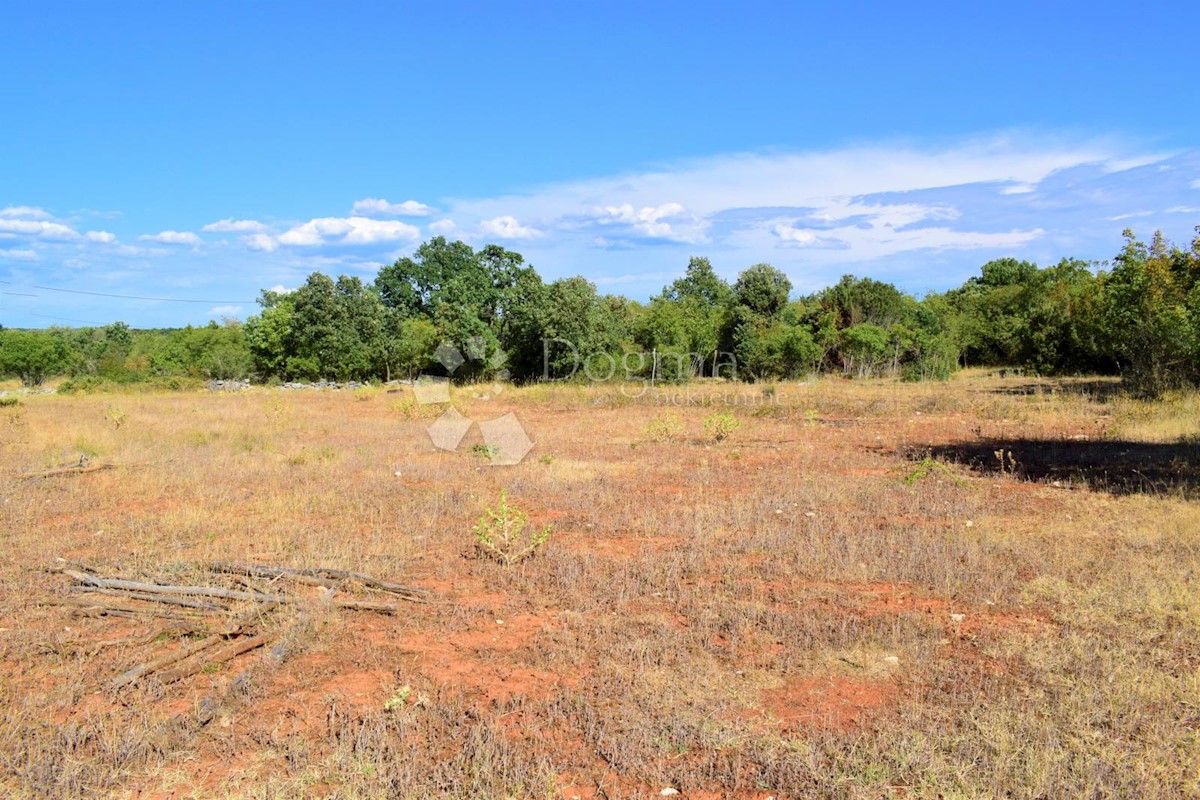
x,y
205,151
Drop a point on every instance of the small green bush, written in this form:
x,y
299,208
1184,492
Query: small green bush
x,y
665,428
720,427
501,533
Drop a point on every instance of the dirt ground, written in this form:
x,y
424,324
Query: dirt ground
x,y
981,588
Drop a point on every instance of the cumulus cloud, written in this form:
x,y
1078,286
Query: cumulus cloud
x,y
442,226
225,311
792,236
507,227
36,228
25,212
171,237
101,237
260,242
231,225
378,207
279,288
669,221
348,231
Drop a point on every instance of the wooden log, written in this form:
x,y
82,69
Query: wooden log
x,y
233,650
159,593
187,651
161,589
129,676
319,573
75,469
153,598
108,607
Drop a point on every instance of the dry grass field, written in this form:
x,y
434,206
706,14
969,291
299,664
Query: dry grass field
x,y
985,588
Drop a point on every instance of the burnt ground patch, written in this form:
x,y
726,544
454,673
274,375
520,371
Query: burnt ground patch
x,y
1099,389
1115,466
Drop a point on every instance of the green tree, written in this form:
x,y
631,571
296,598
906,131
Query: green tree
x,y
32,356
1149,306
865,347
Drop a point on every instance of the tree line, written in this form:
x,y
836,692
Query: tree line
x,y
1138,316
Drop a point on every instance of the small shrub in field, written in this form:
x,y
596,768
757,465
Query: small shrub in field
x,y
720,427
9,402
87,447
501,533
399,699
665,428
116,416
486,451
409,408
930,467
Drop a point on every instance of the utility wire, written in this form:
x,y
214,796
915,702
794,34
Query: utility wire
x,y
63,319
138,297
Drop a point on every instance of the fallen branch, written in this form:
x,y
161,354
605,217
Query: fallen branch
x,y
365,605
149,667
153,598
220,657
323,574
154,588
187,651
99,607
74,469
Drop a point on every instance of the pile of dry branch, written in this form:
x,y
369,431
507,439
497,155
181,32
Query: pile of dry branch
x,y
231,621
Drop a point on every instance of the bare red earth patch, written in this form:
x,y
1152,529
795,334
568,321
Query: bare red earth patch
x,y
836,703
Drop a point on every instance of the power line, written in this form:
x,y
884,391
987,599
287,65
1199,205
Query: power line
x,y
17,294
138,297
63,319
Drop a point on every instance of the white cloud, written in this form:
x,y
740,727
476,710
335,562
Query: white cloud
x,y
225,311
231,225
378,207
507,227
442,227
882,215
171,237
652,221
279,288
260,242
791,180
37,229
1196,184
1130,215
1183,210
102,237
1018,188
796,236
19,255
348,231
24,212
